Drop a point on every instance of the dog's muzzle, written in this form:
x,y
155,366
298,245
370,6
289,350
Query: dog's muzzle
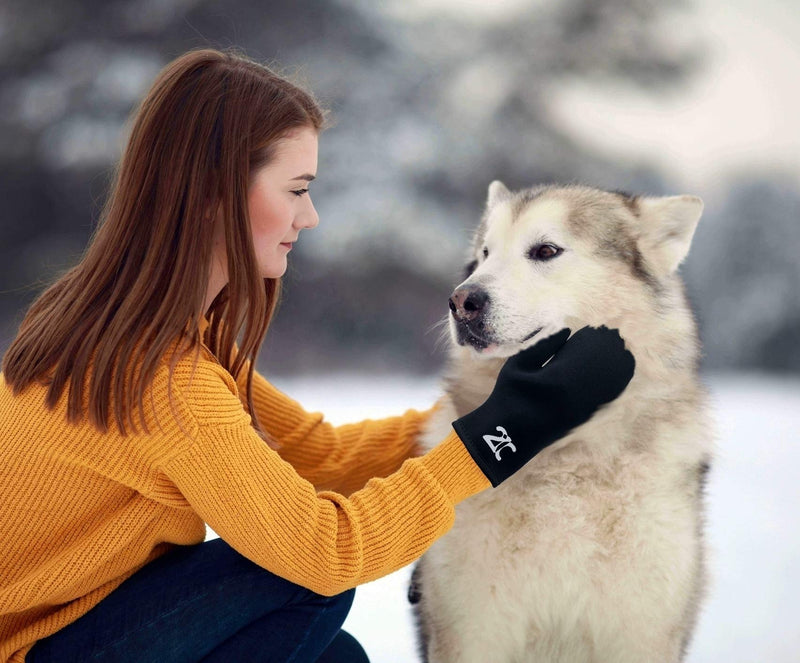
x,y
468,306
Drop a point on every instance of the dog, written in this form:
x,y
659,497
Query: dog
x,y
594,550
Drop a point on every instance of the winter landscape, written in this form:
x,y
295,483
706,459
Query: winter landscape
x,y
430,101
752,524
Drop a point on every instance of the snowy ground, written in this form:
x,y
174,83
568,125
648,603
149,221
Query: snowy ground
x,y
753,528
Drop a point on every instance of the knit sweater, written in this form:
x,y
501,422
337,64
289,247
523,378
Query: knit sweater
x,y
333,507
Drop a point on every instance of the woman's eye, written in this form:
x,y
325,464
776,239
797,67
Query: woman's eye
x,y
485,252
300,192
544,252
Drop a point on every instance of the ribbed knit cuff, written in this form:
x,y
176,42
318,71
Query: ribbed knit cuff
x,y
454,468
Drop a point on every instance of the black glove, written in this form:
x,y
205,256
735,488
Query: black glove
x,y
532,406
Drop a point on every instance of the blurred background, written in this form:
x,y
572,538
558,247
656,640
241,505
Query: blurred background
x,y
431,100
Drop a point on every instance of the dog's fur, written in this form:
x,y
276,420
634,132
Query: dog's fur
x,y
593,552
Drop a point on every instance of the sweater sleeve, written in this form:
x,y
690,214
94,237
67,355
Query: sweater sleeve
x,y
342,458
325,541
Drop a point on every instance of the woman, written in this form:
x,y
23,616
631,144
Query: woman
x,y
130,418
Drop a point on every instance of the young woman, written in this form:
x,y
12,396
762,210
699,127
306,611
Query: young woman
x,y
130,418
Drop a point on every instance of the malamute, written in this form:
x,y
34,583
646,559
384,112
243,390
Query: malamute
x,y
593,552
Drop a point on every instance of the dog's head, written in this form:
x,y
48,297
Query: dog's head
x,y
552,257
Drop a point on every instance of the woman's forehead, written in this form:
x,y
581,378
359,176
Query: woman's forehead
x,y
297,151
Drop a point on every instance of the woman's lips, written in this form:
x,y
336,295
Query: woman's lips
x,y
287,245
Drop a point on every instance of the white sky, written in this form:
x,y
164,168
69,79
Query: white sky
x,y
742,109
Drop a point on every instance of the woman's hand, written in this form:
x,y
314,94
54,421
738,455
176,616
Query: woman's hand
x,y
533,405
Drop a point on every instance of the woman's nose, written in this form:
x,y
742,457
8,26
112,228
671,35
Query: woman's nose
x,y
308,218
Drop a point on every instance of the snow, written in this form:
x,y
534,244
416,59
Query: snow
x,y
752,528
753,493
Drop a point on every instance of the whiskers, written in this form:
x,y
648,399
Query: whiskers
x,y
443,329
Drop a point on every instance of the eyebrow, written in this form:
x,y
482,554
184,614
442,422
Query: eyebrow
x,y
307,177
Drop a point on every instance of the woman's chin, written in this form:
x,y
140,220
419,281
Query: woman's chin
x,y
276,268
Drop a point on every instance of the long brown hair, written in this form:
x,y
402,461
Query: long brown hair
x,y
208,123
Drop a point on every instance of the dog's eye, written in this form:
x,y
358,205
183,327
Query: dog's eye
x,y
485,252
544,252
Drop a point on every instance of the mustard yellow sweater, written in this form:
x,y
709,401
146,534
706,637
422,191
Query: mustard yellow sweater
x,y
334,507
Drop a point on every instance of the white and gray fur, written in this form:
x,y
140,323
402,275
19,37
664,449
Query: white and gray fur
x,y
593,552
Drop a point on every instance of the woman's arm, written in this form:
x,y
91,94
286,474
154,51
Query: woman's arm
x,y
341,458
256,501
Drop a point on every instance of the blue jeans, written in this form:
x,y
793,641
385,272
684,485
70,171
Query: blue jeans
x,y
206,603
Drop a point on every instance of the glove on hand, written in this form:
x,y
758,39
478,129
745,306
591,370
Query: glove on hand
x,y
532,406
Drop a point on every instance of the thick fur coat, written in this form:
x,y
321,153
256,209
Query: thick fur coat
x,y
593,552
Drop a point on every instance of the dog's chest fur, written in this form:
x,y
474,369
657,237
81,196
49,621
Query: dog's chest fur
x,y
598,534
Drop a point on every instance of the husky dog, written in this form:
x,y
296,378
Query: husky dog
x,y
593,552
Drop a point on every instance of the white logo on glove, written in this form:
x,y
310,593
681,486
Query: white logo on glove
x,y
497,444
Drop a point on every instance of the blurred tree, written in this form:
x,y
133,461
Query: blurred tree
x,y
744,274
430,105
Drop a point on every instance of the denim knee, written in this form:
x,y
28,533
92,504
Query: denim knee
x,y
340,604
344,649
345,598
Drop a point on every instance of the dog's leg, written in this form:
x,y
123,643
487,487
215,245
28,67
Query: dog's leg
x,y
457,620
415,598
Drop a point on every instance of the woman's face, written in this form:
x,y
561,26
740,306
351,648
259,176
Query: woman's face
x,y
279,203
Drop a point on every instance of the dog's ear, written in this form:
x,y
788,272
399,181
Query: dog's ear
x,y
667,228
497,192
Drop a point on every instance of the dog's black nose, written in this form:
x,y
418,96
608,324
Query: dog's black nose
x,y
468,303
